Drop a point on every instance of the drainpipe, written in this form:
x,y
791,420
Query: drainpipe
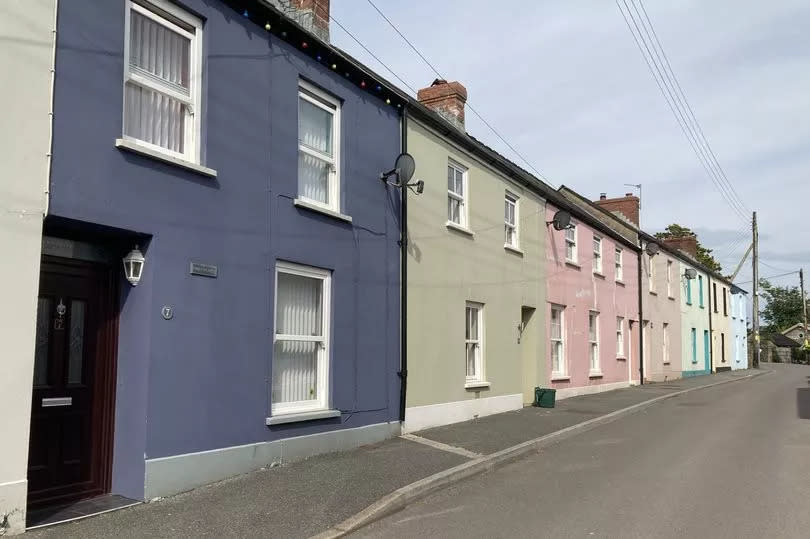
x,y
640,318
49,155
711,332
403,287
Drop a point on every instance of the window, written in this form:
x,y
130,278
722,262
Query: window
x,y
714,298
651,263
706,349
723,347
669,278
597,254
665,343
456,194
593,340
689,291
694,345
301,339
700,290
318,147
510,220
473,344
725,305
162,78
557,336
571,244
619,267
619,336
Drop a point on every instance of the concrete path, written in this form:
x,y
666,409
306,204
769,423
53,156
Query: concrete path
x,y
730,461
305,498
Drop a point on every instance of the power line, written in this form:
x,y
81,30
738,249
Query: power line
x,y
672,103
468,104
772,276
773,267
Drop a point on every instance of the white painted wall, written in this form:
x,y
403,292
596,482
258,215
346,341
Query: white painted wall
x,y
26,56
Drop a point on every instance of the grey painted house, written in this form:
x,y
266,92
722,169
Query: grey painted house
x,y
241,155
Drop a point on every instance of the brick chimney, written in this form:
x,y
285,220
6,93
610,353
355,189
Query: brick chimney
x,y
687,244
446,98
625,207
313,15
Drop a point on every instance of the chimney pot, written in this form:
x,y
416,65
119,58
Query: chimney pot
x,y
447,99
628,194
602,196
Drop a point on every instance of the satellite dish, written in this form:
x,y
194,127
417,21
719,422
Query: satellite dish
x,y
562,219
405,166
690,273
653,249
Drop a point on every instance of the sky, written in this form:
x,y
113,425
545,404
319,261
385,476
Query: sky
x,y
565,84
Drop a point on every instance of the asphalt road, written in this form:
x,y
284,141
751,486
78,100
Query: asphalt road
x,y
731,461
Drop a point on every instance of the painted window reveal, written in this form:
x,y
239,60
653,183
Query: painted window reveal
x,y
597,254
694,346
473,342
301,339
700,290
619,266
619,336
571,244
457,194
318,147
593,340
665,343
163,78
511,220
557,338
669,278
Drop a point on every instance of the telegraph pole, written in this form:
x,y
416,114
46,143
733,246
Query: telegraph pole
x,y
755,262
804,307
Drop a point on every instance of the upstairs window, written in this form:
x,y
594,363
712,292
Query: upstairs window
x,y
725,304
162,78
318,147
714,296
456,194
651,263
669,278
700,290
597,254
689,291
510,220
619,266
571,244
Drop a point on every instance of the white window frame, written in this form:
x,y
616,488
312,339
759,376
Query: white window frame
x,y
620,337
665,343
562,366
593,343
618,253
463,197
478,343
669,278
597,253
329,103
324,360
651,265
191,135
572,242
513,199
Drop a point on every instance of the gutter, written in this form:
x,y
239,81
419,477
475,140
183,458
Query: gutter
x,y
403,286
49,154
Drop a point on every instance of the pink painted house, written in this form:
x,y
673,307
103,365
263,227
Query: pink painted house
x,y
592,301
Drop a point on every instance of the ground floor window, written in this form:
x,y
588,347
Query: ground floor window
x,y
593,340
301,339
556,336
473,342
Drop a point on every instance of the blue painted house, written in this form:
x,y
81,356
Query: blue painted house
x,y
240,154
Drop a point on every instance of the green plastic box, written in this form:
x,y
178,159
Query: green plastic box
x,y
544,397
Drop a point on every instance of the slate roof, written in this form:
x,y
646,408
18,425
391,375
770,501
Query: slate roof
x,y
784,341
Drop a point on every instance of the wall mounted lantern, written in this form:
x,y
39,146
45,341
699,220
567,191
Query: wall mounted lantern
x,y
133,266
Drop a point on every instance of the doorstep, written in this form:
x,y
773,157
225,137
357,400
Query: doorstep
x,y
50,516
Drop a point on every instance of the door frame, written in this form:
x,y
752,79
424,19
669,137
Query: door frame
x,y
104,377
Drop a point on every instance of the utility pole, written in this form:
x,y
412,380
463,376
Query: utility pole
x,y
755,261
804,307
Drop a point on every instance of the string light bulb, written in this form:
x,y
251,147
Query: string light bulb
x,y
362,84
268,27
334,66
387,101
378,88
245,13
304,45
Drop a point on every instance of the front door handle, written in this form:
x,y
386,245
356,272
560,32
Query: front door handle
x,y
58,401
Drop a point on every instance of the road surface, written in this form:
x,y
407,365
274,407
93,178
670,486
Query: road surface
x,y
730,461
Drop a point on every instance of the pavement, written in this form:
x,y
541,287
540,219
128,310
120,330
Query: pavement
x,y
731,461
305,498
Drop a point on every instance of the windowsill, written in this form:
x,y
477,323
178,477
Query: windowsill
x,y
702,307
665,363
689,304
672,298
136,147
599,274
595,374
458,228
477,385
301,203
572,264
653,293
560,378
513,249
301,416
620,282
621,358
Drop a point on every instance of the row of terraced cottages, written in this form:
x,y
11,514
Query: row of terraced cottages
x,y
222,281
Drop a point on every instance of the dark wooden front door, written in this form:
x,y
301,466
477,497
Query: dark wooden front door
x,y
71,411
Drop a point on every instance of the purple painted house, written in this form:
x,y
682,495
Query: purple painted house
x,y
239,154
